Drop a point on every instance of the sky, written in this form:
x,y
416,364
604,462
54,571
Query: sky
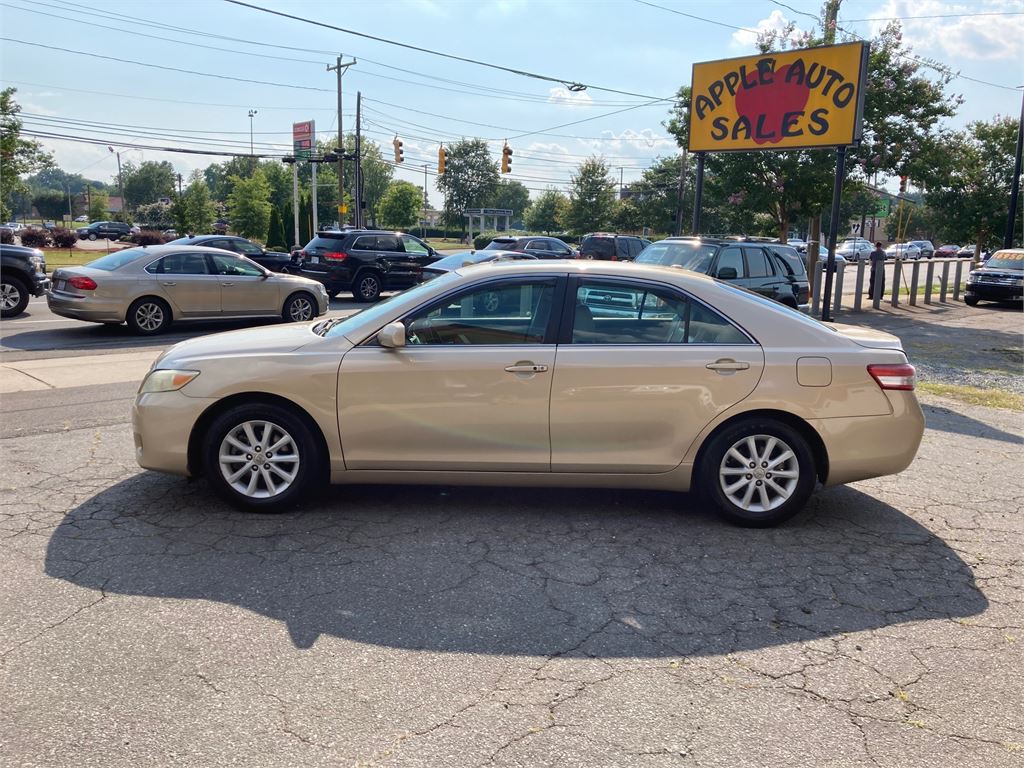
x,y
632,54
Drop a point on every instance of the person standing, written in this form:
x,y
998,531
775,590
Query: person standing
x,y
877,271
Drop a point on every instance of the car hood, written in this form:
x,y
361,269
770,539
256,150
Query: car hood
x,y
266,340
867,337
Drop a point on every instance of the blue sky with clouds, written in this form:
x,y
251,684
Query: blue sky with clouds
x,y
623,45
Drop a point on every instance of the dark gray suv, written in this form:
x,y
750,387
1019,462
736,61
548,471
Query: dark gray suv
x,y
111,230
365,261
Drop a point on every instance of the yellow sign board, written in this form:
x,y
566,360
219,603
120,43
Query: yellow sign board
x,y
812,97
343,209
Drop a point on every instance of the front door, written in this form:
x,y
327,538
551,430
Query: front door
x,y
185,279
245,288
632,386
469,391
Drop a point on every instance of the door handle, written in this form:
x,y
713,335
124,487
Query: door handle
x,y
227,283
162,282
727,365
526,368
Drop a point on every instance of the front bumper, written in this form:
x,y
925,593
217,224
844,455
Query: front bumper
x,y
41,285
85,308
994,292
162,424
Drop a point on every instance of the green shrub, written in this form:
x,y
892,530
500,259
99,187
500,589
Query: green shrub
x,y
35,238
6,237
64,238
149,237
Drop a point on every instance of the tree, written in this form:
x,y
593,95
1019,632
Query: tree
x,y
275,234
547,212
218,176
249,202
591,197
198,206
305,218
51,205
513,195
99,205
469,181
400,205
655,195
155,216
60,180
968,189
18,156
147,182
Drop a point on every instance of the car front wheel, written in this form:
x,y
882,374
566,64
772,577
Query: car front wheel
x,y
299,308
759,472
261,457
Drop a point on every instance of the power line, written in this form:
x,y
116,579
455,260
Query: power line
x,y
942,16
697,18
523,73
130,145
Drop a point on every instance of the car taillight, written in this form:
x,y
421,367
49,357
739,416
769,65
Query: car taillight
x,y
893,376
335,255
83,283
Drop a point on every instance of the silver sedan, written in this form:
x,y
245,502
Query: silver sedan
x,y
149,288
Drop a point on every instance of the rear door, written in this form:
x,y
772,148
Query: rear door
x,y
632,391
245,288
761,277
185,278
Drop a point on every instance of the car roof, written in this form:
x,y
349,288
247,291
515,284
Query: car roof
x,y
19,250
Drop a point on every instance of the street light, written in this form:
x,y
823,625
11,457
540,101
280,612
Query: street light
x,y
252,114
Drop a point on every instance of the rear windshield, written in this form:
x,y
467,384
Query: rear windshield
x,y
325,243
113,261
599,246
695,256
499,244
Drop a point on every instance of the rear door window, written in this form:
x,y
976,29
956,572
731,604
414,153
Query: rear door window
x,y
180,264
757,262
598,247
365,243
538,245
622,248
388,243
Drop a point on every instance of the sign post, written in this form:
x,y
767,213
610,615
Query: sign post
x,y
804,99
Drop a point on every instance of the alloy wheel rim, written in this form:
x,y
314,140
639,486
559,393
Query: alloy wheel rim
x,y
9,296
149,316
759,473
259,459
301,310
368,287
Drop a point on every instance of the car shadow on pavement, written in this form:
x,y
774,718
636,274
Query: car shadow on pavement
x,y
520,571
947,420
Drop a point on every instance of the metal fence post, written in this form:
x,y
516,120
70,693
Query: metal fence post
x,y
913,283
816,290
838,302
897,272
945,282
876,289
859,285
929,277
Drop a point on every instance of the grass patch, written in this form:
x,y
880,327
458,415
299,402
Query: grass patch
x,y
936,290
993,398
69,257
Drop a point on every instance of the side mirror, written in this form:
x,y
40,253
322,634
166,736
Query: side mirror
x,y
431,251
392,335
727,273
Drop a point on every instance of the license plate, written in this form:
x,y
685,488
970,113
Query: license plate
x,y
314,259
60,285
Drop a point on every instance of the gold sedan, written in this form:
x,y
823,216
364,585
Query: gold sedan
x,y
151,287
579,374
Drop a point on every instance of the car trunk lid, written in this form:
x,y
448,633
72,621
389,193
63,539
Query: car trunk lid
x,y
867,337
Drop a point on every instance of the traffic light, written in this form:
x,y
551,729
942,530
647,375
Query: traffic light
x,y
506,159
903,184
442,158
398,150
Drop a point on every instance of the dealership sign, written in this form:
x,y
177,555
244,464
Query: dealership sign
x,y
812,97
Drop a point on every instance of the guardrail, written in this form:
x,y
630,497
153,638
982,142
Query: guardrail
x,y
893,282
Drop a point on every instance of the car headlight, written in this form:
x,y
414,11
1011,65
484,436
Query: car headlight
x,y
166,380
1018,282
972,278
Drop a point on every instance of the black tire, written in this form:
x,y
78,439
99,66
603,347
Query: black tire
x,y
283,421
148,316
332,294
92,236
971,301
299,308
367,286
717,464
14,296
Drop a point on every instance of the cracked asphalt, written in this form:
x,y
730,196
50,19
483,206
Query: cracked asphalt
x,y
144,623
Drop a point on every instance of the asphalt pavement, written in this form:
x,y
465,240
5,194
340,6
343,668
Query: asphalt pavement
x,y
143,622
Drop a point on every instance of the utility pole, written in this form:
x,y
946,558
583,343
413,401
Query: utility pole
x,y
120,185
831,14
179,185
252,114
620,182
359,160
423,216
679,194
340,69
312,173
1011,217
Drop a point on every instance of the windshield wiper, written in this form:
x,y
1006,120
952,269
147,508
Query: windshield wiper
x,y
324,326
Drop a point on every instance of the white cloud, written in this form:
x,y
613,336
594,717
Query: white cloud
x,y
37,109
747,38
644,139
562,95
978,38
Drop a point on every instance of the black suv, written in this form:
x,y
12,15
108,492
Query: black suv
x,y
771,269
112,230
22,275
275,261
365,261
1000,278
611,247
535,245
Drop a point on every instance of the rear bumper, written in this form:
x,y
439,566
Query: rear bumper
x,y
861,447
85,308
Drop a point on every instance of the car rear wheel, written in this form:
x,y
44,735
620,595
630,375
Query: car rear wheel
x,y
299,308
148,316
92,235
13,296
261,457
367,287
759,472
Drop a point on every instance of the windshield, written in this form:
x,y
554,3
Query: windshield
x,y
694,256
113,261
340,327
499,245
1006,260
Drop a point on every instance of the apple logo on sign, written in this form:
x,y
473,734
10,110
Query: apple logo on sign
x,y
765,105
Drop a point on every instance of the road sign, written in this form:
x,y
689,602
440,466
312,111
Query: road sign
x,y
67,217
342,209
304,138
812,97
489,212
